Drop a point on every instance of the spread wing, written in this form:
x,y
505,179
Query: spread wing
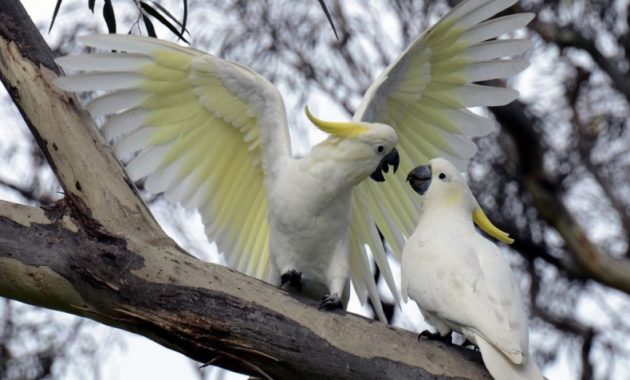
x,y
206,132
425,94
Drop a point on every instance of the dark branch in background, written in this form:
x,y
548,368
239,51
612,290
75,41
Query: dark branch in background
x,y
31,193
569,37
547,196
585,144
587,345
565,324
6,330
62,348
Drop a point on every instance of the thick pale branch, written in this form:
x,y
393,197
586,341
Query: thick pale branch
x,y
208,312
91,177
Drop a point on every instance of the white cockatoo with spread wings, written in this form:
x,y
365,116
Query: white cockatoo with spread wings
x,y
212,134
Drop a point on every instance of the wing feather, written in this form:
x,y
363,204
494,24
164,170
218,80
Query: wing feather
x,y
495,49
99,81
116,101
207,133
360,272
487,70
481,13
496,27
109,62
425,94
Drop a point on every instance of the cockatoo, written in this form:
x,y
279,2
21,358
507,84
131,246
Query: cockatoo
x,y
212,134
459,279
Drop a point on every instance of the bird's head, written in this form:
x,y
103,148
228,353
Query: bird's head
x,y
441,185
369,148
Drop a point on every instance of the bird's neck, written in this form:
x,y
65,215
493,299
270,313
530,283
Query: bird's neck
x,y
332,177
449,211
316,185
328,164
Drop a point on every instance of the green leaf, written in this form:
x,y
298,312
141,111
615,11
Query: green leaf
x,y
109,16
325,8
57,6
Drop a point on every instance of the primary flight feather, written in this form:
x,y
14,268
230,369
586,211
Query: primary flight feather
x,y
212,134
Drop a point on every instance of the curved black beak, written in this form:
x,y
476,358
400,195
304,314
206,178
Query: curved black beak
x,y
392,159
420,178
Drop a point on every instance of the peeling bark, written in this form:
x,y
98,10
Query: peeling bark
x,y
207,312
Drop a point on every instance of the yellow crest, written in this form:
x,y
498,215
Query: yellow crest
x,y
480,219
339,129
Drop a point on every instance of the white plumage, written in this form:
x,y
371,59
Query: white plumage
x,y
212,134
459,279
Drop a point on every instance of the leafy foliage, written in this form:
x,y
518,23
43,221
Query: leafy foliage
x,y
147,11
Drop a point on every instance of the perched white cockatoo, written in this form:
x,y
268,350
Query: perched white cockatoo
x,y
212,134
458,277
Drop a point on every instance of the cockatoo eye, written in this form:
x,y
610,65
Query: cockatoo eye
x,y
442,176
379,148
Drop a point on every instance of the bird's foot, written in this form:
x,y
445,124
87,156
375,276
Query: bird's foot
x,y
293,278
468,343
426,334
331,302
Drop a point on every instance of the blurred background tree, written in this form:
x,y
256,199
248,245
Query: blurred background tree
x,y
555,174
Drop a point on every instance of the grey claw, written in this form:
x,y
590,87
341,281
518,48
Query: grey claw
x,y
331,302
426,334
293,278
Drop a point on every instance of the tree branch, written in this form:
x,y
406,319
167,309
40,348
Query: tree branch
x,y
568,36
205,311
27,193
585,144
593,264
66,134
